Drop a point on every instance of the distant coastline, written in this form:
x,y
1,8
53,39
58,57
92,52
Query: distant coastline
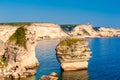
x,y
47,30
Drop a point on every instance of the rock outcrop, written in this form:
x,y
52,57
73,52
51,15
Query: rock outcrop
x,y
73,54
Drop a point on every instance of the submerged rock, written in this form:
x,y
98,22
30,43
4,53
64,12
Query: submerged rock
x,y
73,54
52,76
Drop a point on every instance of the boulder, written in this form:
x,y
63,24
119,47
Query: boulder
x,y
53,74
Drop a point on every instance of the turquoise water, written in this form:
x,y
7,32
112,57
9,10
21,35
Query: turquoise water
x,y
45,52
104,64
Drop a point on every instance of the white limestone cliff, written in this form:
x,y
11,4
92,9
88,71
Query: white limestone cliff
x,y
16,59
84,31
87,31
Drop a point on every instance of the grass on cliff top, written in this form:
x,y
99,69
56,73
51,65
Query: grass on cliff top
x,y
19,37
17,24
70,41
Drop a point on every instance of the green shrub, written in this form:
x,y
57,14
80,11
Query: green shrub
x,y
70,41
19,37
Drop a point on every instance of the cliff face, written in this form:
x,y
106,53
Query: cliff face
x,y
42,30
48,31
6,31
73,54
84,31
17,52
18,56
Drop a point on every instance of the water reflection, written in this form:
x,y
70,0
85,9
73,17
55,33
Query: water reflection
x,y
75,75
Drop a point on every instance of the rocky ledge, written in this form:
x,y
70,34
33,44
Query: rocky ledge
x,y
73,54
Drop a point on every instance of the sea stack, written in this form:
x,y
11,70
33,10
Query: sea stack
x,y
73,54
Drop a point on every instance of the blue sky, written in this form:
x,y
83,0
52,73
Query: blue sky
x,y
97,12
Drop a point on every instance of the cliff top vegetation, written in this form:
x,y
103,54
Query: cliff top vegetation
x,y
19,37
70,41
18,24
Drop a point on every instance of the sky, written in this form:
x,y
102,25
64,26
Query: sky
x,y
96,12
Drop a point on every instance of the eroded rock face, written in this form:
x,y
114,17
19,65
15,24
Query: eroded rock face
x,y
73,54
18,57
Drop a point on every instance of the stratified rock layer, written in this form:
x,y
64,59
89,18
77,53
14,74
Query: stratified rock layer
x,y
73,54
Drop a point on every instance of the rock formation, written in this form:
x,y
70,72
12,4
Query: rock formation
x,y
17,50
73,54
18,42
84,31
